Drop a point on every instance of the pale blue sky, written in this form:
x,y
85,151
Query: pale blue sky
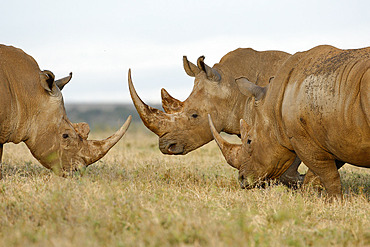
x,y
100,40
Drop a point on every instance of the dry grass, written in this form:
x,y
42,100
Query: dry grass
x,y
136,196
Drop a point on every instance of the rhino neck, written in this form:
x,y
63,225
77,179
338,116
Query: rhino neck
x,y
40,139
20,94
273,101
275,151
233,116
18,116
43,126
258,67
249,111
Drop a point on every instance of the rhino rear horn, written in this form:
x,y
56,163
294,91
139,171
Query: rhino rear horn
x,y
63,81
82,129
169,103
231,152
212,74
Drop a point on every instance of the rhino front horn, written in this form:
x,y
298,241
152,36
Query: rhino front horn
x,y
153,119
97,149
231,152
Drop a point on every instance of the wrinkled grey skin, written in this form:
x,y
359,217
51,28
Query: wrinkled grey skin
x,y
183,127
32,111
317,107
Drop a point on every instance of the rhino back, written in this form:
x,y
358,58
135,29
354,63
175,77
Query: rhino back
x,y
20,91
325,97
257,66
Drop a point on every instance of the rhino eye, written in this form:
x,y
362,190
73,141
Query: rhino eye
x,y
194,115
249,141
65,136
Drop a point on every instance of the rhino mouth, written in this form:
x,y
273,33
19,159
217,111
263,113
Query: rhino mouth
x,y
74,170
247,185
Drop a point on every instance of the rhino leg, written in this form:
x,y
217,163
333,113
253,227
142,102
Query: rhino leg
x,y
321,164
313,181
291,177
1,163
329,176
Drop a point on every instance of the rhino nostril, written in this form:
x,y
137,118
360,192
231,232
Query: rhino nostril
x,y
175,148
172,147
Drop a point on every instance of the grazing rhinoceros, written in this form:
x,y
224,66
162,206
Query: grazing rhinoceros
x,y
183,127
317,107
32,111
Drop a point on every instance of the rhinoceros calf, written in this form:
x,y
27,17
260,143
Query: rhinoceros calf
x,y
32,111
317,107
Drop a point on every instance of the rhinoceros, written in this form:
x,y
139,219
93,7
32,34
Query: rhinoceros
x,y
316,107
32,111
183,127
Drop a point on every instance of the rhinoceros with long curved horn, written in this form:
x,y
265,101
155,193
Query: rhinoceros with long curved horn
x,y
183,126
317,107
32,111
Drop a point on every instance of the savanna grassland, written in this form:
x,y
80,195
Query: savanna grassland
x,y
136,196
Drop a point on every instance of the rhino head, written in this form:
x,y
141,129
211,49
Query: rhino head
x,y
183,126
239,156
260,156
57,143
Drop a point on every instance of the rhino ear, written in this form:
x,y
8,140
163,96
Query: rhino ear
x,y
62,82
189,67
47,80
212,74
82,129
250,89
